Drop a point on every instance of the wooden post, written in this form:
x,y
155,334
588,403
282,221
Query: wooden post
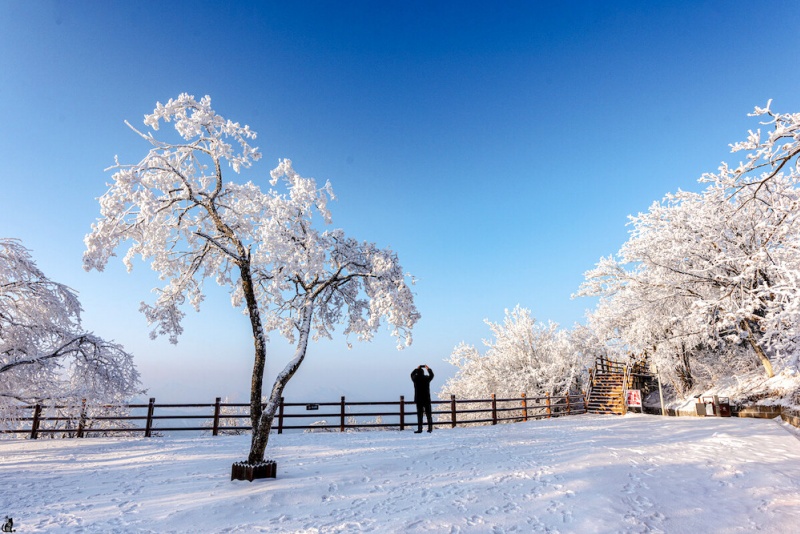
x,y
494,409
453,411
341,424
215,430
37,412
547,396
82,420
402,413
150,409
280,416
524,408
567,402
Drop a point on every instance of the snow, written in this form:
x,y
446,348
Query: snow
x,y
743,390
585,474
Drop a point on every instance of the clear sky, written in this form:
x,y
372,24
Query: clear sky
x,y
497,147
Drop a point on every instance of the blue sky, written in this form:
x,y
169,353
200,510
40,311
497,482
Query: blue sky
x,y
498,148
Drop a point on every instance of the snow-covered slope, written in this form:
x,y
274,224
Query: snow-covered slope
x,y
578,474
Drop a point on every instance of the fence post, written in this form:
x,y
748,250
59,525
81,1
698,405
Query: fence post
x,y
150,409
494,409
341,424
402,412
524,408
82,420
215,430
37,412
547,396
280,416
568,403
453,411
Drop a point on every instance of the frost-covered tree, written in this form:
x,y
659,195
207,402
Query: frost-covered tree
x,y
45,354
174,209
522,357
706,269
708,282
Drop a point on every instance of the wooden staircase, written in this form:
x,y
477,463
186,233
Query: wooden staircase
x,y
608,387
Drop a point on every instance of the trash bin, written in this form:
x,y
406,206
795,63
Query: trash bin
x,y
723,406
713,405
710,406
700,408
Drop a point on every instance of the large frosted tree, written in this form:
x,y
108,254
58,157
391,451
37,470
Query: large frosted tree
x,y
709,280
45,354
175,209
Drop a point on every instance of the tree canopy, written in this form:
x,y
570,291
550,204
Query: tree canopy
x,y
707,283
45,354
175,209
522,357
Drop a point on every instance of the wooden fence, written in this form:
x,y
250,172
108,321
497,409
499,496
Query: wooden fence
x,y
83,420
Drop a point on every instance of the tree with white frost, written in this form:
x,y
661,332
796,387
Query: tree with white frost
x,y
175,209
710,280
707,270
45,354
523,357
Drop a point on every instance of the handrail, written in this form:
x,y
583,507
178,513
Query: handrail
x,y
78,420
605,365
625,387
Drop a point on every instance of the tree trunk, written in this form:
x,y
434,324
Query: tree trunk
x,y
260,345
758,350
684,370
261,431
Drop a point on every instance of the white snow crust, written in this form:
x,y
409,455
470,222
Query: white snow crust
x,y
582,474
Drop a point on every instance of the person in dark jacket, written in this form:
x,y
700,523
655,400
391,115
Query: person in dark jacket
x,y
422,395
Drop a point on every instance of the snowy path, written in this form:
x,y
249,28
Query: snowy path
x,y
581,474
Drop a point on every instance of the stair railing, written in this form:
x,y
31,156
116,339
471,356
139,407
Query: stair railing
x,y
625,388
604,366
591,386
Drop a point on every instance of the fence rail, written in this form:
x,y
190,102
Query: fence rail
x,y
80,421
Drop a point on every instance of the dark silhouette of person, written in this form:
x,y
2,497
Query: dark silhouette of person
x,y
422,395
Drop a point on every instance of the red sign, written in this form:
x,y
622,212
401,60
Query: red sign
x,y
635,397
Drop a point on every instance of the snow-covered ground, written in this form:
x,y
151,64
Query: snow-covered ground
x,y
578,474
743,389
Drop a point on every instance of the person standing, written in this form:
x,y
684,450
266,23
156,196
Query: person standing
x,y
422,395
